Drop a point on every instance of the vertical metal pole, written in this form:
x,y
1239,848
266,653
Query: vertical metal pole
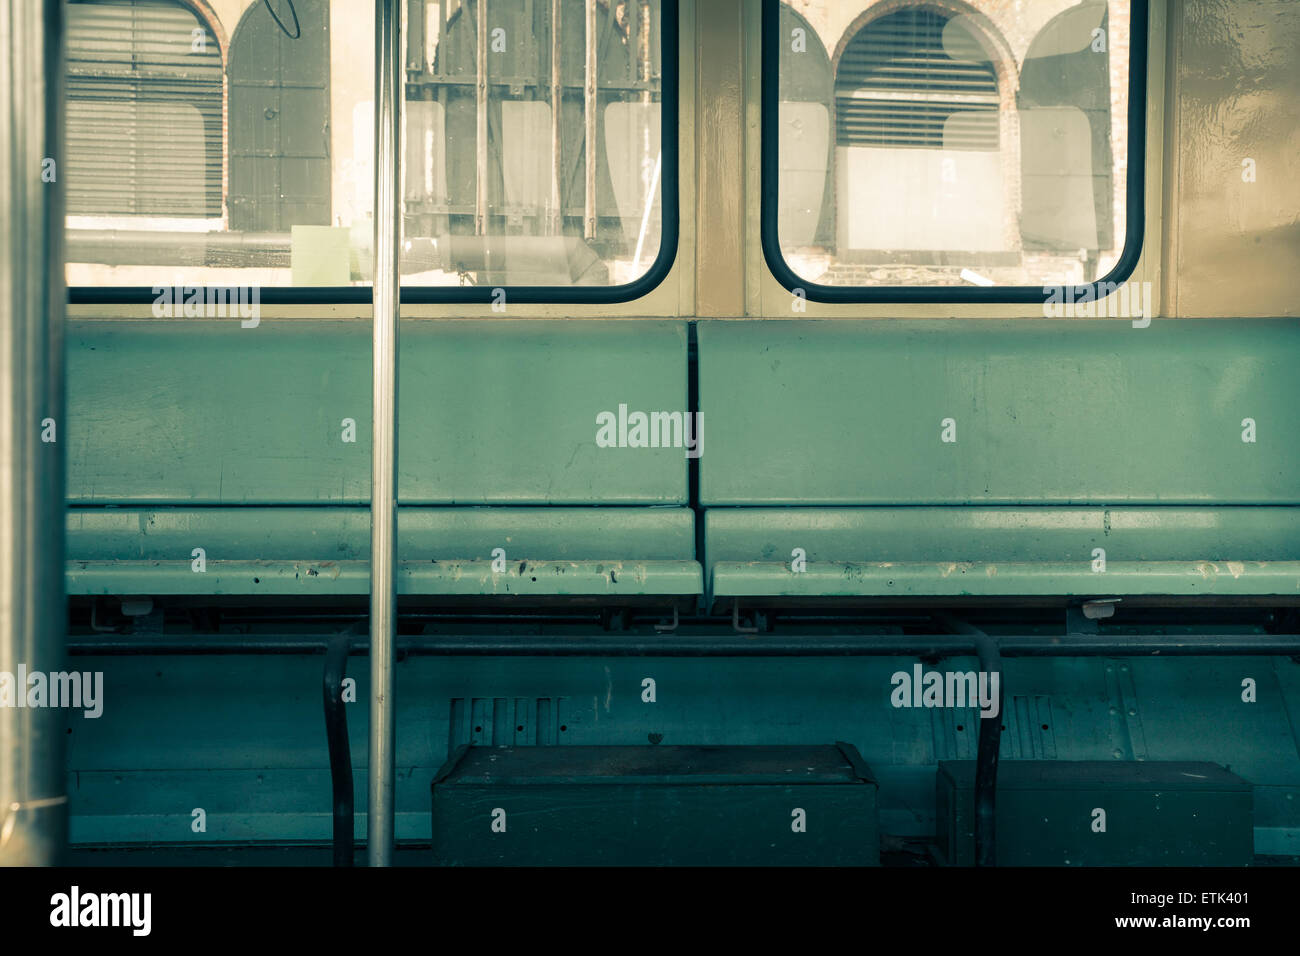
x,y
481,144
383,462
557,104
589,103
33,430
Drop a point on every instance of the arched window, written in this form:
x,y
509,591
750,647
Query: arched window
x,y
920,173
916,78
144,122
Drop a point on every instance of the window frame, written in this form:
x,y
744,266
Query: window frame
x,y
658,270
1134,191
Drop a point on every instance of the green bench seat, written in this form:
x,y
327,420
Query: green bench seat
x,y
1066,437
202,434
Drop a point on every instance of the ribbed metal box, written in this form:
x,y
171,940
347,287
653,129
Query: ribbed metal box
x,y
1095,813
655,806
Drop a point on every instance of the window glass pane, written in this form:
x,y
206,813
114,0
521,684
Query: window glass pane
x,y
217,147
212,145
501,187
952,144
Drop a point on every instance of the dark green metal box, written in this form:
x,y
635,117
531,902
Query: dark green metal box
x,y
655,806
1095,813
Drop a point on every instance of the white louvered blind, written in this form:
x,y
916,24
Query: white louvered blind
x,y
916,79
144,123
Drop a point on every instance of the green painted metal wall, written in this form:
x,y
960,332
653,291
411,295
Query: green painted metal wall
x,y
243,737
1069,437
